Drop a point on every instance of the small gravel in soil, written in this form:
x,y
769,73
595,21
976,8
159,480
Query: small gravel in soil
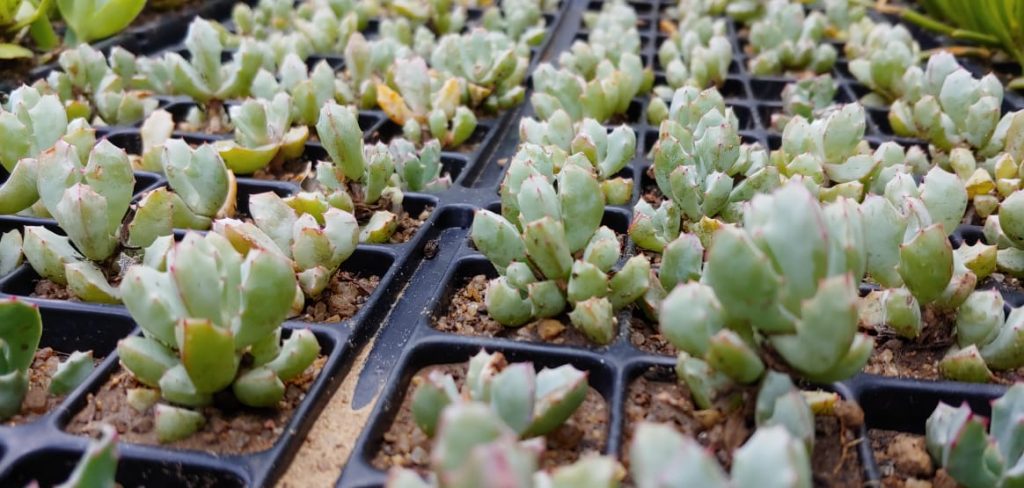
x,y
342,299
467,315
895,356
230,428
404,445
38,401
904,462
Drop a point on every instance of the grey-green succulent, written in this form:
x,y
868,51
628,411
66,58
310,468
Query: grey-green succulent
x,y
806,98
491,64
702,167
880,56
786,39
806,306
91,85
697,53
473,448
89,202
531,403
538,253
203,335
976,457
264,136
945,105
425,108
608,152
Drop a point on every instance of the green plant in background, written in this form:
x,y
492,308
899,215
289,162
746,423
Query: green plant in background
x,y
806,98
365,63
473,447
531,403
264,136
92,85
702,168
422,110
807,293
697,52
521,20
202,336
945,105
490,63
599,78
609,153
19,18
90,20
537,244
309,91
204,76
89,202
442,16
880,55
957,440
785,39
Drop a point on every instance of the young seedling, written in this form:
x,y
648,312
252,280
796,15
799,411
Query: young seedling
x,y
202,336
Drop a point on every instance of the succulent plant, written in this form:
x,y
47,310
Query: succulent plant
x,y
30,124
420,109
203,335
986,338
609,153
199,189
786,39
805,98
324,27
842,16
89,202
207,79
697,53
533,247
264,135
702,167
316,243
90,20
20,332
366,62
612,31
98,465
880,54
11,255
945,105
309,91
796,286
442,16
599,78
661,456
831,151
521,20
909,254
489,62
957,440
531,403
473,447
91,84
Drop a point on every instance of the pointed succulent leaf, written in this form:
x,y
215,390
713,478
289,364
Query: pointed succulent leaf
x,y
926,263
48,253
595,317
430,398
146,359
175,423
